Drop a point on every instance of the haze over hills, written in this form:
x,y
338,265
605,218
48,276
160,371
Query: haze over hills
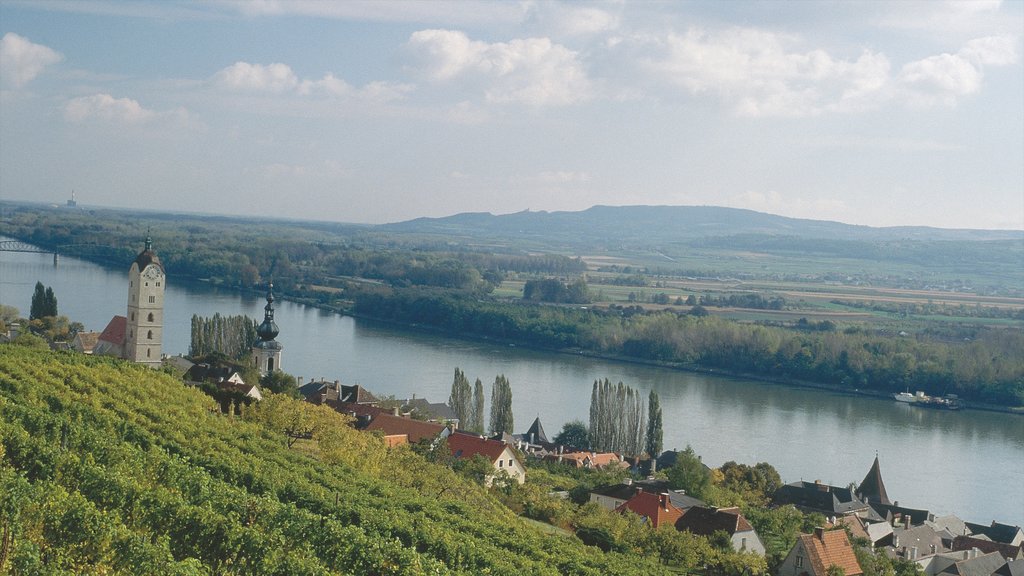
x,y
656,224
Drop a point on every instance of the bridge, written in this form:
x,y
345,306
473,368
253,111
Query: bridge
x,y
67,249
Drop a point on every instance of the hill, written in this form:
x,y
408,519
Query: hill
x,y
659,224
107,467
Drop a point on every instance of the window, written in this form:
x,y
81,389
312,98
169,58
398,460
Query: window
x,y
133,316
147,283
149,336
799,561
147,352
501,463
152,299
150,316
270,364
157,283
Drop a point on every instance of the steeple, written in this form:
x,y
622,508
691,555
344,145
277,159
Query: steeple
x,y
267,331
872,487
266,352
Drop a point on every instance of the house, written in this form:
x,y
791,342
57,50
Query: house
x,y
323,391
612,496
855,525
964,563
430,411
85,342
997,532
705,521
588,460
828,500
111,340
399,430
501,456
915,542
986,546
225,378
655,509
813,554
896,514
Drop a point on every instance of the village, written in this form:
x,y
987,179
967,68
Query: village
x,y
937,544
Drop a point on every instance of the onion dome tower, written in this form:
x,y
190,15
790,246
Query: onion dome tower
x,y
266,352
145,321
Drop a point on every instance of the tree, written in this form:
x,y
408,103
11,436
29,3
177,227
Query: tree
x,y
477,423
616,418
501,406
44,303
460,400
655,431
689,473
280,382
574,434
232,336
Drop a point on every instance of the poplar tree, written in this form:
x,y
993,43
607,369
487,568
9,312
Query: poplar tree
x,y
232,336
477,423
44,302
460,399
617,418
501,406
655,432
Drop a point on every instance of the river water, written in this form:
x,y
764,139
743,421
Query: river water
x,y
969,463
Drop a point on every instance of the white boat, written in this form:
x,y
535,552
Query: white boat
x,y
905,397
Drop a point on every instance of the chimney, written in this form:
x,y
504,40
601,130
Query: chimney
x,y
654,464
819,533
967,554
663,500
298,382
628,481
394,411
913,553
906,522
933,549
895,540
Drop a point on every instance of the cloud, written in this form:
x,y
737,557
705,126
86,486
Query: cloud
x,y
760,73
22,60
106,107
257,77
437,11
571,19
531,71
943,78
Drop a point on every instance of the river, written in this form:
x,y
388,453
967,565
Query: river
x,y
969,463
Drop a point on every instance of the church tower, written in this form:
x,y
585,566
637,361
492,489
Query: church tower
x,y
266,352
146,283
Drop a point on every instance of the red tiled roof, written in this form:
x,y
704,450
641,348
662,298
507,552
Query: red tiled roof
x,y
706,521
828,548
416,430
87,340
115,330
468,445
655,507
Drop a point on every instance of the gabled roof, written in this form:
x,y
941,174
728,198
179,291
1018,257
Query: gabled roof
x,y
830,548
357,394
115,330
983,565
856,526
207,373
468,445
656,508
416,430
920,537
891,511
87,340
819,497
705,521
536,432
996,531
872,487
1008,551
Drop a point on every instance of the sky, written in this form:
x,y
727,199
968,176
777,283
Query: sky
x,y
873,113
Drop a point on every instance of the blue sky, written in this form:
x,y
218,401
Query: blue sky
x,y
876,113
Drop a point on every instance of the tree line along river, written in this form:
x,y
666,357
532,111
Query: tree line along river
x,y
968,463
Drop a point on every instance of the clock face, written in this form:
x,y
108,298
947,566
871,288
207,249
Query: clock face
x,y
151,272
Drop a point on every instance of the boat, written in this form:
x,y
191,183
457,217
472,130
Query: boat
x,y
905,397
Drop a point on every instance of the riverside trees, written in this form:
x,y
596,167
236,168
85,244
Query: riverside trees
x,y
617,419
501,406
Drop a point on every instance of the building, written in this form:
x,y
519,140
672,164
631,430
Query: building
x,y
502,457
872,488
612,496
814,554
655,509
266,351
85,342
145,320
705,521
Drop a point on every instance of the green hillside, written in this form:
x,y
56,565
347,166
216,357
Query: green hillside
x,y
109,468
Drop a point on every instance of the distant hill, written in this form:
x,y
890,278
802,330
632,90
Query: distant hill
x,y
660,224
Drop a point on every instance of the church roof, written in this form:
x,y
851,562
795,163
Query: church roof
x,y
148,256
115,330
536,432
267,331
872,486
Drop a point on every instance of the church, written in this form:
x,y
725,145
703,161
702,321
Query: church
x,y
138,336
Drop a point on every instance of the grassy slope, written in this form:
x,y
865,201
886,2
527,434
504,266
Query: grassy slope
x,y
107,467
